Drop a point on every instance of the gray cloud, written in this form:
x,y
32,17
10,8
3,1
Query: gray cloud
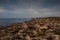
x,y
34,8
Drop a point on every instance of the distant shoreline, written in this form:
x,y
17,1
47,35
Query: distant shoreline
x,y
8,21
34,28
25,20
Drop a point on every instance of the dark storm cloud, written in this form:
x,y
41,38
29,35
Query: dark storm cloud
x,y
36,8
43,3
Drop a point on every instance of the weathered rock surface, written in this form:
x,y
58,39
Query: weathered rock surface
x,y
34,29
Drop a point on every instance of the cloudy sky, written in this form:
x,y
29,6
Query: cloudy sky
x,y
29,8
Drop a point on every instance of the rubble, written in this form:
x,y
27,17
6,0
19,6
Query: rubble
x,y
34,29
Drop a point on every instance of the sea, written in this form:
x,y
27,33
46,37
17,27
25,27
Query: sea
x,y
7,21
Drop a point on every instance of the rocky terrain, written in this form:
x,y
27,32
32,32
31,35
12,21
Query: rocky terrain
x,y
35,29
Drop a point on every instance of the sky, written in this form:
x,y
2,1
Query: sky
x,y
29,8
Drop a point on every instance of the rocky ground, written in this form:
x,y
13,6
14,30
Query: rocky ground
x,y
34,29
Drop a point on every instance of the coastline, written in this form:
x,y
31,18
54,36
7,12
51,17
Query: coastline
x,y
36,28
